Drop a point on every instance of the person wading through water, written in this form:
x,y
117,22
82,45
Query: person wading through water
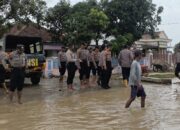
x,y
96,71
71,67
62,67
18,63
105,64
125,59
177,63
92,66
83,59
135,81
3,69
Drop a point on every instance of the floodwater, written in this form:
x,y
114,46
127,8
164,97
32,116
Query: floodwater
x,y
46,108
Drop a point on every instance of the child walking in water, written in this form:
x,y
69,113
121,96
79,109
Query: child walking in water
x,y
135,81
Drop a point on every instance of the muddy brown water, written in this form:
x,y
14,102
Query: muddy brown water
x,y
46,108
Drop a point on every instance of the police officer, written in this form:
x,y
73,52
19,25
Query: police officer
x,y
177,62
92,65
108,64
96,71
106,67
63,59
17,60
102,66
125,59
71,67
3,68
87,70
83,59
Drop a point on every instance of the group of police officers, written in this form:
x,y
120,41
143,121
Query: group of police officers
x,y
17,64
86,60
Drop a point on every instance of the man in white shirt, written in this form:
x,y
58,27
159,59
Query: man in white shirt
x,y
71,67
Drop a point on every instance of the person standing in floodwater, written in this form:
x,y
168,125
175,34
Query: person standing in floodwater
x,y
108,58
63,61
92,65
135,81
3,68
96,71
125,59
177,62
17,60
83,59
71,67
87,72
106,67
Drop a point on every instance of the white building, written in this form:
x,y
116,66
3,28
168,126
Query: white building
x,y
160,42
158,46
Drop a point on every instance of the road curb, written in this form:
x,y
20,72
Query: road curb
x,y
157,80
149,79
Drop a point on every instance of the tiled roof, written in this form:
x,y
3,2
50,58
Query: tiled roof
x,y
30,31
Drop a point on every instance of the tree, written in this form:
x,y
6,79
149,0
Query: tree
x,y
38,10
3,9
77,26
56,18
21,12
98,22
25,11
120,41
87,20
129,16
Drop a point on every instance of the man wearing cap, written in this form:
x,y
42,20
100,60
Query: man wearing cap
x,y
17,60
3,68
63,60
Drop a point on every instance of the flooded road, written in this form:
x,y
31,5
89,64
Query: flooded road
x,y
46,108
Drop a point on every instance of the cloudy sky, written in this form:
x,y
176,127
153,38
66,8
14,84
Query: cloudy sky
x,y
170,17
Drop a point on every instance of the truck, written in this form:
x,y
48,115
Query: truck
x,y
33,49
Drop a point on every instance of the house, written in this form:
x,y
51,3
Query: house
x,y
51,48
31,30
160,42
157,46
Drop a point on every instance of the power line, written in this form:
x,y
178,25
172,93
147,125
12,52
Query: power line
x,y
171,24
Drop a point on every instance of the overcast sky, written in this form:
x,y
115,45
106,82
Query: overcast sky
x,y
170,17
